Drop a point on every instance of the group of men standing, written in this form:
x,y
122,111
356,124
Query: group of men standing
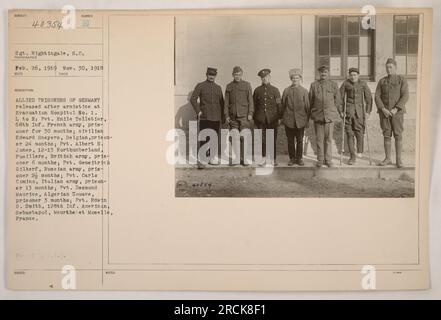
x,y
324,104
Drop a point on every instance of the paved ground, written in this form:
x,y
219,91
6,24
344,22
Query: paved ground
x,y
359,181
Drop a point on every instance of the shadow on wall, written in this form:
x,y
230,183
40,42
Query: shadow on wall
x,y
340,140
309,141
185,114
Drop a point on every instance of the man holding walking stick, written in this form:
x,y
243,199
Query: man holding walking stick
x,y
357,102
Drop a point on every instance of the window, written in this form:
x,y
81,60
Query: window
x,y
344,43
406,44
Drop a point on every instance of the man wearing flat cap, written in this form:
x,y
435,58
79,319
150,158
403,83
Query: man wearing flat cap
x,y
390,97
295,116
324,98
239,107
268,105
357,102
210,107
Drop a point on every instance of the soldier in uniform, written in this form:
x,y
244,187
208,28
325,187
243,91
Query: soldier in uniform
x,y
210,107
390,97
295,116
324,99
267,104
239,107
355,93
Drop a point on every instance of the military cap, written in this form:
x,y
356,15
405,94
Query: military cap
x,y
262,73
323,67
294,72
211,70
237,69
354,70
391,61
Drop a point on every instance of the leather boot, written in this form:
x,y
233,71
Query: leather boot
x,y
398,148
387,151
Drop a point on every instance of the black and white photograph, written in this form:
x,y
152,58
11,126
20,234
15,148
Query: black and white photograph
x,y
297,106
221,150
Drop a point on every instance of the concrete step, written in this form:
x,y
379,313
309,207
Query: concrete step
x,y
361,169
307,171
406,173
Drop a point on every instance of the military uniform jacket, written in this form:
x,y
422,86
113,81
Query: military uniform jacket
x,y
267,103
324,99
295,107
357,96
211,100
238,100
392,92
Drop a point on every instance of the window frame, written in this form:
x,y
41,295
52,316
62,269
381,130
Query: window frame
x,y
344,54
406,75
